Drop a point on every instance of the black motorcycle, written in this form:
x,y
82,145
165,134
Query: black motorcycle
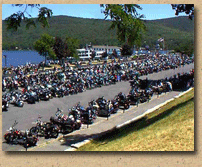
x,y
5,105
51,130
123,101
44,96
65,124
134,97
88,115
105,107
45,129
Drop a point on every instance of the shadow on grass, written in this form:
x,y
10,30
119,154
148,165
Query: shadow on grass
x,y
138,125
113,134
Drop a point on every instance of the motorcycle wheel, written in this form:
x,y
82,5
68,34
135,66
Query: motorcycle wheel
x,y
55,134
7,138
126,106
47,134
15,140
34,143
34,130
21,105
26,145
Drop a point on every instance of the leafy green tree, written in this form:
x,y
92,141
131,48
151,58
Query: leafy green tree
x,y
44,46
128,22
59,48
184,8
126,50
185,47
14,21
71,45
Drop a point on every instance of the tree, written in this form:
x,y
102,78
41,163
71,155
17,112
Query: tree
x,y
114,53
128,22
104,54
59,48
126,50
184,8
71,46
64,48
93,54
185,47
14,21
44,46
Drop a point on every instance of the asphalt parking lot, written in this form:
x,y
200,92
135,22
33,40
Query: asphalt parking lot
x,y
29,113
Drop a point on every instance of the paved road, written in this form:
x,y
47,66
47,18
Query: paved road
x,y
68,141
29,113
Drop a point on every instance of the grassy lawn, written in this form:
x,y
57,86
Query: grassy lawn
x,y
170,128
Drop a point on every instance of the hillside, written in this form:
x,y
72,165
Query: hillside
x,y
181,23
174,30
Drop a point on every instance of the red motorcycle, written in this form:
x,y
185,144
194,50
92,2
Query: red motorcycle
x,y
15,136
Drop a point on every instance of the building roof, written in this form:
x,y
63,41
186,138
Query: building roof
x,y
105,46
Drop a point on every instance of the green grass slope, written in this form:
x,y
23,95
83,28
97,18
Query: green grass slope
x,y
169,129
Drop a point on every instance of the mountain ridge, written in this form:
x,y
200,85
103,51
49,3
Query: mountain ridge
x,y
174,30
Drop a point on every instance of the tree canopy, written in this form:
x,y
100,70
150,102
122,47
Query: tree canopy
x,y
56,47
127,20
60,48
126,50
185,47
72,44
44,46
14,21
184,8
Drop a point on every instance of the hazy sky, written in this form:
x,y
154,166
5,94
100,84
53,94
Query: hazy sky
x,y
151,11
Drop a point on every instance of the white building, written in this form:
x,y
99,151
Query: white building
x,y
107,48
85,54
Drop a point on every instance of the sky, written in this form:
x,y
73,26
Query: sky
x,y
150,11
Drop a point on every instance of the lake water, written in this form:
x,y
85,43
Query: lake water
x,y
16,58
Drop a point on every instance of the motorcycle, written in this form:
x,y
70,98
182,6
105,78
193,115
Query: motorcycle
x,y
15,136
19,103
45,129
88,115
12,135
105,107
134,97
122,100
51,130
5,105
65,124
39,128
44,96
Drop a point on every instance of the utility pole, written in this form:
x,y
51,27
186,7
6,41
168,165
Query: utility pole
x,y
5,57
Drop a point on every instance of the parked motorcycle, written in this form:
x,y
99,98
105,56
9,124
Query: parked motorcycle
x,y
122,100
5,105
105,107
45,129
65,124
88,115
15,136
51,130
